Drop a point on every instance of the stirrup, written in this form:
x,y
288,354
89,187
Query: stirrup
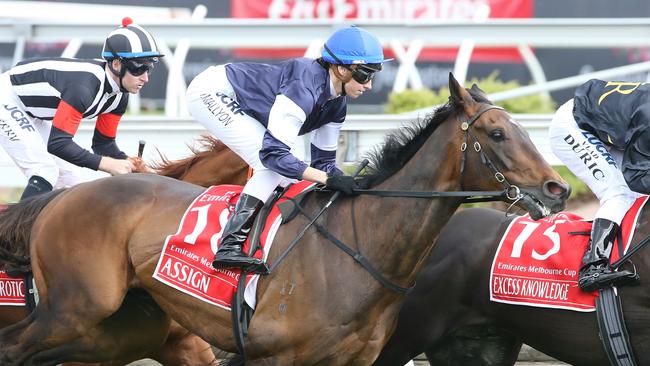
x,y
606,278
243,262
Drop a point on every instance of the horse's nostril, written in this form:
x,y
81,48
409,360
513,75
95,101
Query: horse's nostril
x,y
557,189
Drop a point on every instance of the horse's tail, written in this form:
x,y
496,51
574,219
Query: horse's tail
x,y
16,222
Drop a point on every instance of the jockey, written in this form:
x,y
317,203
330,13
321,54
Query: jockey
x,y
602,136
259,110
43,101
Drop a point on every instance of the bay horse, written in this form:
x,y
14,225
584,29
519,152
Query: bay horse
x,y
336,313
454,322
139,328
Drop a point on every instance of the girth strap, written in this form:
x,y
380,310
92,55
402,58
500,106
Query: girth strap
x,y
613,332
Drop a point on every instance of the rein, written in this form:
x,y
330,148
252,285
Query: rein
x,y
510,192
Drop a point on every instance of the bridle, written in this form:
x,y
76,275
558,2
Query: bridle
x,y
510,191
470,196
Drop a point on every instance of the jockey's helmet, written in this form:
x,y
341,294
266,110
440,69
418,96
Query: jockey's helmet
x,y
353,46
130,41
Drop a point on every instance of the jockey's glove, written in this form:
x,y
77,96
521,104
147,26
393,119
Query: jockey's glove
x,y
342,183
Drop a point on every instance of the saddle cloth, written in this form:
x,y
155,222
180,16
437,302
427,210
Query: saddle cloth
x,y
12,290
186,259
537,262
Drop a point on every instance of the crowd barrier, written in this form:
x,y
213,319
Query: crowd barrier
x,y
172,135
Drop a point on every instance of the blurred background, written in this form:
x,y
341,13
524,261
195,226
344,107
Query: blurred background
x,y
528,55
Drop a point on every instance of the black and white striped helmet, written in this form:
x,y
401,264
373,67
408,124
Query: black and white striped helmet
x,y
130,41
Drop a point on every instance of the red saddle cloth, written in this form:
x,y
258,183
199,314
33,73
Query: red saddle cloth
x,y
186,259
537,262
12,290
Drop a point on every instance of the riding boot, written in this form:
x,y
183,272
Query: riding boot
x,y
596,272
230,254
36,185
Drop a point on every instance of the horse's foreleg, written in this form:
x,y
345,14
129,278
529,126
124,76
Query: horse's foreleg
x,y
71,307
40,331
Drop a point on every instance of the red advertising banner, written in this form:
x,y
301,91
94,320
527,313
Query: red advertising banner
x,y
385,10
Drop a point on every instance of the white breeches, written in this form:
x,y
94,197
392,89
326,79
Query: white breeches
x,y
592,162
24,138
212,102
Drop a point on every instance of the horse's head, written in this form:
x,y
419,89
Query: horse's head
x,y
497,152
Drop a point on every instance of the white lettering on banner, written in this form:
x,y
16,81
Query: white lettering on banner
x,y
511,267
374,9
528,231
11,289
186,274
547,290
202,223
217,198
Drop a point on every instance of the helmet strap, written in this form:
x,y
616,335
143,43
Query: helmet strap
x,y
120,74
341,78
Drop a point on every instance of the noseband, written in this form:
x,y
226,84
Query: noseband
x,y
512,192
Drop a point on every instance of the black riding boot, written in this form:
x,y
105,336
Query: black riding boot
x,y
230,254
596,272
36,185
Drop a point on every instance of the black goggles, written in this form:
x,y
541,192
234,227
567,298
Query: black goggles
x,y
136,68
362,75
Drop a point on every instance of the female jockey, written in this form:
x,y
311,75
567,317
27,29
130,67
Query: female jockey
x,y
602,136
259,110
43,101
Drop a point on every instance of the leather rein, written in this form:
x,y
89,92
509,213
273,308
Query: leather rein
x,y
510,192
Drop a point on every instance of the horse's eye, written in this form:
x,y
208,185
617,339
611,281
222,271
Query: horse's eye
x,y
497,135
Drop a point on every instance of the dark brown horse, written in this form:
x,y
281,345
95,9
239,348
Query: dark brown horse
x,y
140,329
336,313
455,323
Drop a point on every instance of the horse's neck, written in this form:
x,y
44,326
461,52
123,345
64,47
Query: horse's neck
x,y
401,231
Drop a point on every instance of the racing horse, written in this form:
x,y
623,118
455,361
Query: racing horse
x,y
319,306
454,322
139,328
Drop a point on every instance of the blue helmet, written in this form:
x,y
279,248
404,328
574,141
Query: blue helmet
x,y
353,46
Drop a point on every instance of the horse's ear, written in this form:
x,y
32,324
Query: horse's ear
x,y
478,91
459,95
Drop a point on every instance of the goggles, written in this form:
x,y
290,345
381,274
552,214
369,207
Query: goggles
x,y
362,75
136,68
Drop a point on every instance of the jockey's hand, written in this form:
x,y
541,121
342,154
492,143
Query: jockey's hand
x,y
140,166
342,183
115,166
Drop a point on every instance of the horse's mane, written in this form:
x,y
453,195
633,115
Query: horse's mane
x,y
401,145
16,222
177,168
